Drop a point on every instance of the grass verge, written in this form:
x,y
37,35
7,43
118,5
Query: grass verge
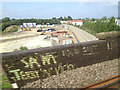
x,y
4,81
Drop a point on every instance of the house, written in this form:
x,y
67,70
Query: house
x,y
29,25
76,22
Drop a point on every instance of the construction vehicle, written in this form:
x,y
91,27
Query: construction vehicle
x,y
24,28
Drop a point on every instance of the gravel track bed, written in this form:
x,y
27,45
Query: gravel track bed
x,y
79,77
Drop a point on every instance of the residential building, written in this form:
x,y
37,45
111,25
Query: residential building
x,y
76,22
29,25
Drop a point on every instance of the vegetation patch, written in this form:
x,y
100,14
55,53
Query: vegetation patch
x,y
5,82
12,28
101,25
95,26
21,48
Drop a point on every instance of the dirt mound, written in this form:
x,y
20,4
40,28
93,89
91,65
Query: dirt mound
x,y
11,28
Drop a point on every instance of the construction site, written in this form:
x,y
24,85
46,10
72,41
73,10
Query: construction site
x,y
34,36
60,44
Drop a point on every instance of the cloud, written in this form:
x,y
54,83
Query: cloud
x,y
60,0
112,3
109,4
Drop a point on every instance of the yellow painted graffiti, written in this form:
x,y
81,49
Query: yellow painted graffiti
x,y
70,53
61,69
25,62
13,78
46,59
57,70
22,75
37,73
46,72
109,45
70,67
76,51
31,62
16,73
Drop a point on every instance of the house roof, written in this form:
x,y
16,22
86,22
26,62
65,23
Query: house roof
x,y
76,21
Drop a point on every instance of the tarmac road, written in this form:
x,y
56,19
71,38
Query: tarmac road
x,y
81,35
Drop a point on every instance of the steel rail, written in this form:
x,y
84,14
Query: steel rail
x,y
105,83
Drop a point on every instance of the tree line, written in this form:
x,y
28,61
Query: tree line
x,y
97,25
8,22
101,25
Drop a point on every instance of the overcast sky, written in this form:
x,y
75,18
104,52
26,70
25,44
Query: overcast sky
x,y
57,8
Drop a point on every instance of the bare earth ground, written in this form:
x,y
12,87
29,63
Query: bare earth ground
x,y
32,39
16,44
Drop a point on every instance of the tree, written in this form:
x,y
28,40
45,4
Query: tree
x,y
60,18
93,19
4,25
13,18
65,19
100,26
7,22
86,18
112,20
104,18
80,18
54,18
6,19
32,20
69,18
